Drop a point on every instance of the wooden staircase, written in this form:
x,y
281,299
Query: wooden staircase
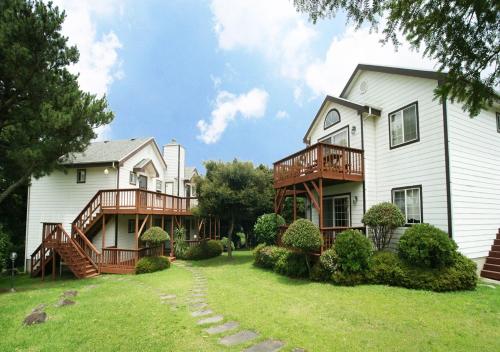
x,y
76,251
491,268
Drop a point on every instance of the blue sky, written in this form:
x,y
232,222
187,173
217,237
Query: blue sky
x,y
254,72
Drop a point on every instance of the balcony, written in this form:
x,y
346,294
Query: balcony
x,y
320,161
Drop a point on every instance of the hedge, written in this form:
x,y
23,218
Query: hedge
x,y
204,250
151,264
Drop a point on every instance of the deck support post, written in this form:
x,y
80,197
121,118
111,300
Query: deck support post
x,y
103,231
163,222
53,265
136,231
294,203
172,236
321,208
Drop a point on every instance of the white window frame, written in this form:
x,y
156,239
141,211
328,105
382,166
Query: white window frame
x,y
349,208
400,112
405,213
159,185
132,178
344,129
334,123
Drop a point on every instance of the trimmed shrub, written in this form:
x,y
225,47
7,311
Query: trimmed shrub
x,y
266,228
348,279
303,235
325,267
266,256
426,246
204,250
225,243
151,264
382,219
353,252
180,244
154,235
290,263
385,268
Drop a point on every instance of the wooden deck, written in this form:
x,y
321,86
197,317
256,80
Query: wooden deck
x,y
319,161
122,261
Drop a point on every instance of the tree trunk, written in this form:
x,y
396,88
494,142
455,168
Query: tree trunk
x,y
13,186
230,238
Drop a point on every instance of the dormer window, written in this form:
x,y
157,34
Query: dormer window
x,y
332,118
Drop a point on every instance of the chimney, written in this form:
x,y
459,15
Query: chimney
x,y
175,156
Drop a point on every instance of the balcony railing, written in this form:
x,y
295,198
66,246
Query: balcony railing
x,y
320,160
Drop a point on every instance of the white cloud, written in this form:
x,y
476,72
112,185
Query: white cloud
x,y
282,114
228,106
216,81
328,75
99,65
284,37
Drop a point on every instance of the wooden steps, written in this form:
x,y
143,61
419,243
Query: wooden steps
x,y
491,268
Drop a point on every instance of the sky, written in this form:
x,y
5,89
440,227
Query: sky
x,y
225,78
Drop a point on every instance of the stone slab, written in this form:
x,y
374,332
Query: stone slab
x,y
210,320
167,296
230,325
201,313
266,346
239,337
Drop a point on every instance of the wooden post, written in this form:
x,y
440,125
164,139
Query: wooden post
x,y
321,208
172,236
151,221
294,203
136,231
53,265
42,261
103,230
163,222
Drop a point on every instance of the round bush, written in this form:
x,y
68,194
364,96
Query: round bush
x,y
385,268
266,228
154,235
151,264
204,250
383,219
290,263
266,256
353,252
427,246
303,235
325,267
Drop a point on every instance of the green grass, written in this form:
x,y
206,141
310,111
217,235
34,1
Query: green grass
x,y
121,315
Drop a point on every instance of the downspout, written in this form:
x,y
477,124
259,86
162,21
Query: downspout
x,y
116,215
27,227
364,159
178,169
447,168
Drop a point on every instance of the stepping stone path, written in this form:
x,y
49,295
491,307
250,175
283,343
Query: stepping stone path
x,y
64,302
39,308
70,293
198,305
35,317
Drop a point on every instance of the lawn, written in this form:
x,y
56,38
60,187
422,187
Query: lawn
x,y
124,315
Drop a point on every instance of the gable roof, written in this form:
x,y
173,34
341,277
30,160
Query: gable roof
x,y
106,152
189,172
429,74
343,102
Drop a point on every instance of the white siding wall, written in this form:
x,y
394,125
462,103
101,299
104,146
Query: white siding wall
x,y
475,179
175,155
420,163
58,198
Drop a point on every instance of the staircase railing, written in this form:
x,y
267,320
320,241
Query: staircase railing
x,y
87,247
92,208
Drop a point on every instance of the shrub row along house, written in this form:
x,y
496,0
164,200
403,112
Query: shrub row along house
x,y
91,215
386,138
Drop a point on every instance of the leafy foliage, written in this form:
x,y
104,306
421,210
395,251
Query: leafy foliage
x,y
180,244
5,246
236,192
266,227
325,267
204,250
154,235
266,256
353,252
385,268
242,238
426,246
383,219
44,113
151,264
303,235
290,264
287,211
226,243
462,35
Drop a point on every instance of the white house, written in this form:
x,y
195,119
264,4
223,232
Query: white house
x,y
386,138
103,200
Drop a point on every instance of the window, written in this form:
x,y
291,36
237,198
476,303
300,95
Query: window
x,y
131,226
332,118
337,211
409,201
169,187
498,122
403,126
132,179
340,137
158,185
81,175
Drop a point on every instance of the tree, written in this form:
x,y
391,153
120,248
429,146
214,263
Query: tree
x,y
303,236
236,192
266,228
383,219
154,236
462,36
43,113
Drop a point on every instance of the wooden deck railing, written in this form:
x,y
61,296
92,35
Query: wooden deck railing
x,y
328,235
320,160
123,261
135,200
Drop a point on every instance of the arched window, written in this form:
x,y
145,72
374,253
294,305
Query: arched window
x,y
332,118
